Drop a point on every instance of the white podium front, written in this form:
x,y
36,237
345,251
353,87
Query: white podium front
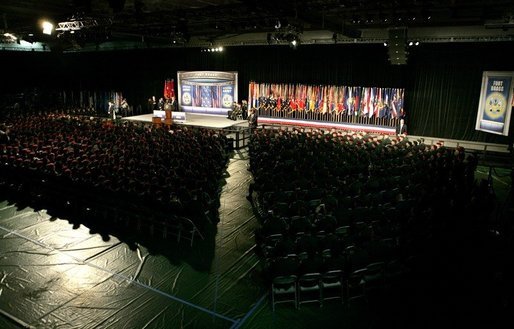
x,y
160,114
179,117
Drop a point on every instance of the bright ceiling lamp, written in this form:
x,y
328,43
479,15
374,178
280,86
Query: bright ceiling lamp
x,y
47,28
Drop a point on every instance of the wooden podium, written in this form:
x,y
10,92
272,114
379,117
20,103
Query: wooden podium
x,y
157,121
168,120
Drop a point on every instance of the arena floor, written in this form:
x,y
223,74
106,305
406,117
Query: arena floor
x,y
55,274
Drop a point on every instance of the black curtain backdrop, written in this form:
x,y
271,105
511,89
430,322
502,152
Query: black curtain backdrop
x,y
442,81
444,88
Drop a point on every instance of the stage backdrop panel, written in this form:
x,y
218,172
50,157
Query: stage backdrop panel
x,y
495,105
209,92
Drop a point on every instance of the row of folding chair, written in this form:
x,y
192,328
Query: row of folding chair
x,y
369,236
308,288
350,258
281,219
317,287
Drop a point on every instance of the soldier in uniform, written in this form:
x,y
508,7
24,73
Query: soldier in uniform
x,y
244,109
252,119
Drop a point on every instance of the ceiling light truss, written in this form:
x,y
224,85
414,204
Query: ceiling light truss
x,y
76,25
288,33
7,38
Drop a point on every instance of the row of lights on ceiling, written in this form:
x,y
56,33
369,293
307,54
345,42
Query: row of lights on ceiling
x,y
411,43
386,20
213,50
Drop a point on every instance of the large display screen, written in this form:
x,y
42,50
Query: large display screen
x,y
208,92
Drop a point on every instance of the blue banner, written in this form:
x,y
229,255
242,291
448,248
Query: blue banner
x,y
227,94
186,92
495,102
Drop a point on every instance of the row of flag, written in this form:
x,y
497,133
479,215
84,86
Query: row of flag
x,y
91,99
116,98
206,96
358,101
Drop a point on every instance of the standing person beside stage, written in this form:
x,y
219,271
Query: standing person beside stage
x,y
112,110
124,107
174,106
154,104
401,129
244,109
149,106
252,119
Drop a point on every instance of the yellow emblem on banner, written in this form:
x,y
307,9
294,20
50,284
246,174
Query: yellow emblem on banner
x,y
495,105
227,100
186,98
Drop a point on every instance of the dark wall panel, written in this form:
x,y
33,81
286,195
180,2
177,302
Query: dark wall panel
x,y
442,81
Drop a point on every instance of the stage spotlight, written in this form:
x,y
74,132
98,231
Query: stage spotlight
x,y
47,28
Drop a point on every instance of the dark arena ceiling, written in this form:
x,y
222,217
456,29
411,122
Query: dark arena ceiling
x,y
198,23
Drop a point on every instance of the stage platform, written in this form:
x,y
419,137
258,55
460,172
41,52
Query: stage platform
x,y
198,120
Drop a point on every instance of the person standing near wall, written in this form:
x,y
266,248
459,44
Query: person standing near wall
x,y
244,109
401,129
252,119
